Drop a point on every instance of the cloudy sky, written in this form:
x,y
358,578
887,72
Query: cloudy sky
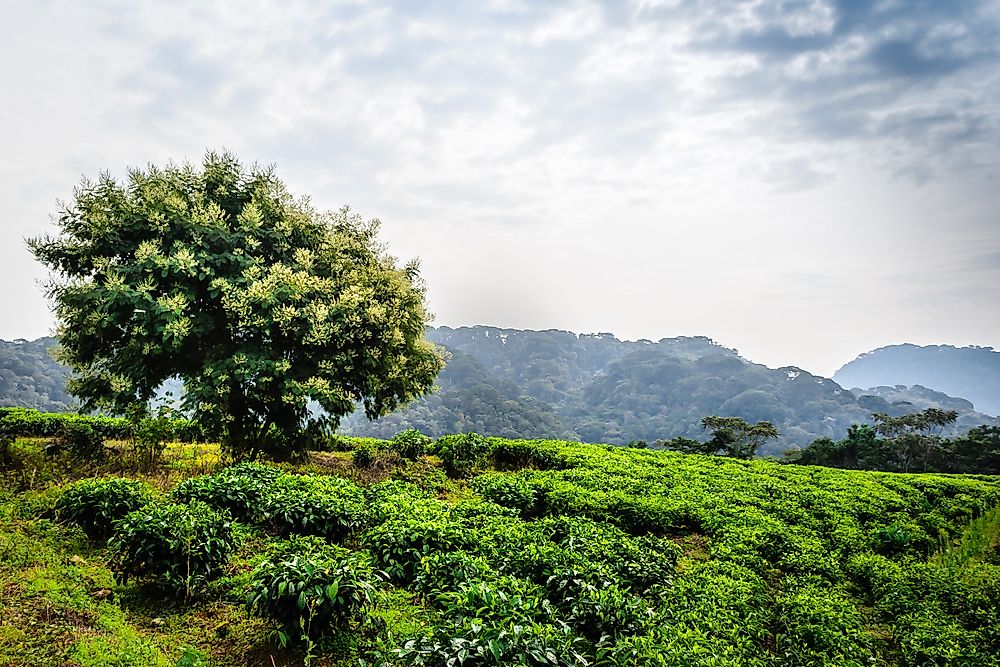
x,y
803,180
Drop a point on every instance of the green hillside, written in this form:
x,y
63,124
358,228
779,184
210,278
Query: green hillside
x,y
596,388
487,551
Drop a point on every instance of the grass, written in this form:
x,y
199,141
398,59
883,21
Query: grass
x,y
754,544
60,604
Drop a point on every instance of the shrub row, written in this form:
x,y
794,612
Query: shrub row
x,y
29,423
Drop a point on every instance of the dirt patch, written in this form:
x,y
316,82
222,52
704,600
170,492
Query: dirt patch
x,y
694,546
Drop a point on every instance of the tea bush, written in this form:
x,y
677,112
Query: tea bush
x,y
364,454
312,588
410,444
29,423
330,507
400,544
179,547
82,441
511,491
239,490
96,504
819,626
463,454
596,607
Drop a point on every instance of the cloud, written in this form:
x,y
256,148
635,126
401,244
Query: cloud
x,y
606,151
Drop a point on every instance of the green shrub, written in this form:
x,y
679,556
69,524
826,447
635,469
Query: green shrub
x,y
891,540
96,504
149,439
6,444
312,588
410,444
239,489
496,623
179,547
512,491
425,474
930,637
638,563
596,607
82,441
364,454
518,454
819,626
400,544
330,507
463,454
438,573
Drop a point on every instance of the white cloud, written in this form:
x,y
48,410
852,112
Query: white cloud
x,y
657,169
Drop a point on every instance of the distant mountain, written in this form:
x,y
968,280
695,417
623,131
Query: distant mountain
x,y
591,387
969,372
30,378
597,388
901,400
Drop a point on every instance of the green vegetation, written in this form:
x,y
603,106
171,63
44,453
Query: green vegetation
x,y
906,443
596,388
258,303
526,384
516,553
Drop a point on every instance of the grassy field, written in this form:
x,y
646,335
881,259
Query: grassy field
x,y
497,552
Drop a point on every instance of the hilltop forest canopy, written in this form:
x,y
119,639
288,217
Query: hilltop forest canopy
x,y
30,378
259,303
596,388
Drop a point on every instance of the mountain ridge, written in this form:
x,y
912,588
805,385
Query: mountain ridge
x,y
592,387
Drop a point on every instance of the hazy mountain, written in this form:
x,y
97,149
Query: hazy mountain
x,y
969,372
600,389
591,387
901,400
30,378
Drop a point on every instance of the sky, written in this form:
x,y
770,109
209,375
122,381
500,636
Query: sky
x,y
802,180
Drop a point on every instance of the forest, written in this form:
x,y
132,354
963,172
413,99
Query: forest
x,y
593,388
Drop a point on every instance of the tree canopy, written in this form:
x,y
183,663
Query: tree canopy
x,y
258,302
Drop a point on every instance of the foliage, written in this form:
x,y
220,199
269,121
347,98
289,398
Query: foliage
x,y
329,507
734,437
626,557
312,588
81,441
30,423
6,444
364,454
96,504
400,544
463,454
258,303
239,489
179,547
410,444
906,442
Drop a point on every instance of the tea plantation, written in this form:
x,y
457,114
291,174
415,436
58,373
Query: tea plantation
x,y
484,551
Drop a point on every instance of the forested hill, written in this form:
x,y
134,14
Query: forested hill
x,y
599,389
591,387
969,372
30,378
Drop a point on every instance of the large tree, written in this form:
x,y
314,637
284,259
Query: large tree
x,y
260,303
